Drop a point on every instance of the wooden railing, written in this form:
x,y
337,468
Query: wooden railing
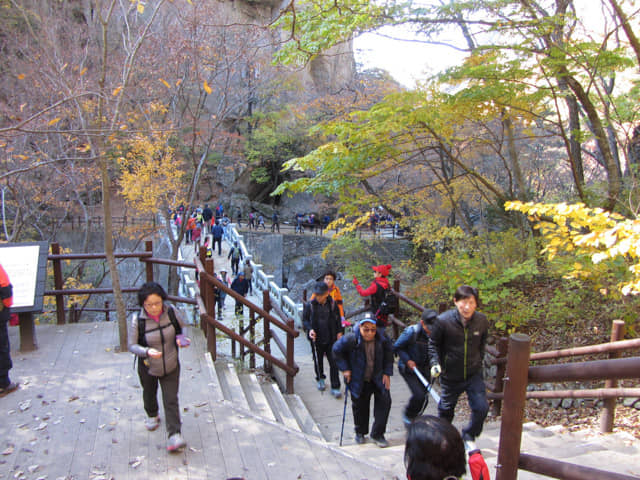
x,y
209,323
519,374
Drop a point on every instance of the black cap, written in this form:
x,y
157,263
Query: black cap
x,y
428,316
320,288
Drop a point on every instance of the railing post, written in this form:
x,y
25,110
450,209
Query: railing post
x,y
266,306
148,247
290,362
515,392
252,338
503,348
58,283
106,311
210,305
609,407
233,342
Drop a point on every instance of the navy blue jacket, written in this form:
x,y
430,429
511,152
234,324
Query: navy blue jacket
x,y
350,355
240,285
217,231
413,344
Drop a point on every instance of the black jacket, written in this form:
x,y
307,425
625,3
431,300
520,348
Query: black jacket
x,y
315,315
412,344
459,350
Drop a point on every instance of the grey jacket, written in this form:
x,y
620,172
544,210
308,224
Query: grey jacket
x,y
161,336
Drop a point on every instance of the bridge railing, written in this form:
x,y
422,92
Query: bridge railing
x,y
264,281
519,374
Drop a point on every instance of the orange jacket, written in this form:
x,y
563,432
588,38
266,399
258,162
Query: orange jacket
x,y
6,290
337,297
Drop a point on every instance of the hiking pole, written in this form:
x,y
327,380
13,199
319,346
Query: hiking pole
x,y
314,354
427,385
344,410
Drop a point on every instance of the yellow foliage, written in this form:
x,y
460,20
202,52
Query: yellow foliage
x,y
595,232
151,180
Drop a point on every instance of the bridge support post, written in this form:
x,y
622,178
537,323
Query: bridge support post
x,y
210,305
515,390
609,407
266,306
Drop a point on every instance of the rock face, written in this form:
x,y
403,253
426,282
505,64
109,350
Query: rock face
x,y
329,73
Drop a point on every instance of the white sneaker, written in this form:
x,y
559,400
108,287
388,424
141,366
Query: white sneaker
x,y
151,423
175,442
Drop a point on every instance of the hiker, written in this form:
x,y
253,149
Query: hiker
x,y
330,279
252,220
248,274
275,222
207,215
155,333
6,300
261,222
459,335
235,254
191,225
239,219
221,294
241,286
321,321
434,450
412,348
216,232
365,358
376,292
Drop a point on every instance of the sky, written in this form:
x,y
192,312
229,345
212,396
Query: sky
x,y
408,60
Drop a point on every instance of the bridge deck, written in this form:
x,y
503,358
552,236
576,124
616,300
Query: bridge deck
x,y
78,414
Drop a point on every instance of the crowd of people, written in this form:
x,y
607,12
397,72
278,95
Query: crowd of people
x,y
449,345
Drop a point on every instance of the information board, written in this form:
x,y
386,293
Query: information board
x,y
26,265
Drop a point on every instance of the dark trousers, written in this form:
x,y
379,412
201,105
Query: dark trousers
x,y
234,265
322,350
239,305
381,408
477,394
217,240
419,395
5,349
169,385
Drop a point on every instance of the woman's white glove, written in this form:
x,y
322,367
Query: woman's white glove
x,y
436,371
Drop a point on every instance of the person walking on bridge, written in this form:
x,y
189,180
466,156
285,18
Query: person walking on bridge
x,y
240,286
365,358
235,254
334,291
412,348
321,321
456,350
376,292
216,232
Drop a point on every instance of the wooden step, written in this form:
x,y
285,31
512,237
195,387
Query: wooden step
x,y
230,383
280,406
215,384
303,417
258,402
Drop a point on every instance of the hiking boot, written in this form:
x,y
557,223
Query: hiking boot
x,y
336,392
380,441
175,442
151,423
12,387
359,438
321,385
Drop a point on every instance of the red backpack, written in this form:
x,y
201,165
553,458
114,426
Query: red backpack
x,y
477,466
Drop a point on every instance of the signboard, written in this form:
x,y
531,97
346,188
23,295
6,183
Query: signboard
x,y
26,265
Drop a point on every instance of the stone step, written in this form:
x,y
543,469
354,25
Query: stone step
x,y
303,417
258,402
280,407
215,384
230,383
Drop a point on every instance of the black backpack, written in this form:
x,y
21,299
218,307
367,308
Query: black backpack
x,y
142,327
386,300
